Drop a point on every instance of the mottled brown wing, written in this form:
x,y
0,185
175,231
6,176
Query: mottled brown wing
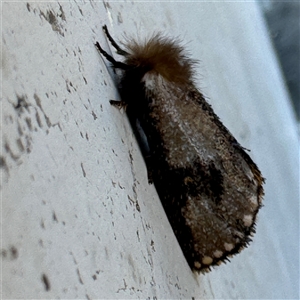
x,y
210,188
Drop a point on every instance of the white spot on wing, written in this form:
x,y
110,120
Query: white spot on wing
x,y
207,260
228,246
253,201
248,220
218,253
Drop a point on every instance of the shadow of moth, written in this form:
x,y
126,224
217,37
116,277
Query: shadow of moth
x,y
209,186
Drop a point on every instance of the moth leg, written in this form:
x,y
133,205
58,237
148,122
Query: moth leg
x,y
116,64
149,167
237,145
119,104
114,44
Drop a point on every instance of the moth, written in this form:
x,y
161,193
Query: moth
x,y
209,186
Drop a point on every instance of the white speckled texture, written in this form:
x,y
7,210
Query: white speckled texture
x,y
79,219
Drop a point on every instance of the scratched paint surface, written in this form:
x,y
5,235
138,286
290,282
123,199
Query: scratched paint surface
x,y
79,218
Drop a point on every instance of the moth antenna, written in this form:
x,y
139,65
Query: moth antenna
x,y
114,44
116,64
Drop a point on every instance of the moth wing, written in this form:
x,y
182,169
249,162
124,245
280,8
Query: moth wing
x,y
211,189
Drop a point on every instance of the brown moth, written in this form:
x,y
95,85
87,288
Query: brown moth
x,y
210,188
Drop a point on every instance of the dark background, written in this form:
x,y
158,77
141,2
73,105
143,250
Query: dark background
x,y
283,19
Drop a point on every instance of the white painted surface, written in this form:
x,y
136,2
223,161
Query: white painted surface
x,y
76,204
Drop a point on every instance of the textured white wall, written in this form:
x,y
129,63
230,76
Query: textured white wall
x,y
79,219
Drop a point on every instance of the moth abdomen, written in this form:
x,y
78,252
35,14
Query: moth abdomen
x,y
209,186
